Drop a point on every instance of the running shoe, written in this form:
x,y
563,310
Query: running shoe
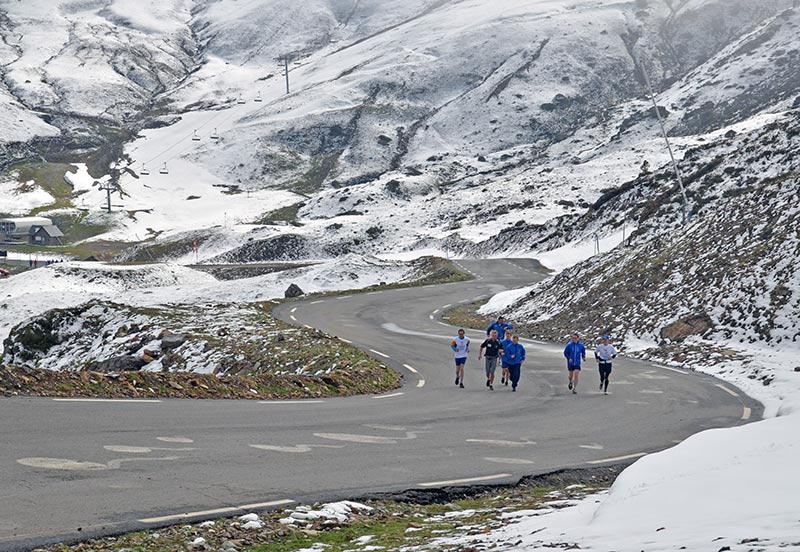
x,y
488,383
514,389
503,380
461,385
601,386
506,381
574,390
491,388
570,385
456,380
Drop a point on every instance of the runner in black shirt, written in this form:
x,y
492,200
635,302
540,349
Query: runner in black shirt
x,y
493,349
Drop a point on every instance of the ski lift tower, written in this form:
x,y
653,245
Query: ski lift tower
x,y
284,61
109,186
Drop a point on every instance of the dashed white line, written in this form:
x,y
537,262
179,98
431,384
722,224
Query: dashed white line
x,y
437,310
465,300
203,513
746,413
421,383
729,391
293,318
308,327
387,396
316,302
442,324
446,306
410,368
467,480
651,392
345,340
291,402
430,316
618,458
384,355
684,372
293,310
374,292
110,400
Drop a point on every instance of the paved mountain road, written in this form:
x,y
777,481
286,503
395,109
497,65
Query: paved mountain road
x,y
107,467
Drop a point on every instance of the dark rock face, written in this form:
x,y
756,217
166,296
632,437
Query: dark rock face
x,y
293,291
694,324
119,364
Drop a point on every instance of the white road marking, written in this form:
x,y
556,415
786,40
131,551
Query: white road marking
x,y
110,400
316,302
310,401
618,458
61,464
651,392
387,396
442,324
746,413
501,443
507,460
593,446
410,368
364,439
446,306
384,355
297,449
345,297
308,327
684,372
374,292
729,391
294,310
638,403
204,513
123,449
293,318
345,340
467,480
183,440
430,316
465,301
421,383
437,310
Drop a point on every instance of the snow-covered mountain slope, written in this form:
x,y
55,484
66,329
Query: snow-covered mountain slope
x,y
403,116
698,295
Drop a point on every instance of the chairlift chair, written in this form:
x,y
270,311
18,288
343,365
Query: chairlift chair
x,y
214,135
258,97
195,137
164,169
145,171
241,100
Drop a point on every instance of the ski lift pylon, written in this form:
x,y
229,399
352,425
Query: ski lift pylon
x,y
164,169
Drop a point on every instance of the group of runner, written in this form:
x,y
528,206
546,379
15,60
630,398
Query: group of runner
x,y
510,353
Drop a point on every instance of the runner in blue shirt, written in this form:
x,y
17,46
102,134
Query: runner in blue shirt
x,y
506,342
515,356
574,353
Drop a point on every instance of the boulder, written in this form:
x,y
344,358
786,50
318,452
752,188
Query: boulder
x,y
693,324
172,341
293,291
124,363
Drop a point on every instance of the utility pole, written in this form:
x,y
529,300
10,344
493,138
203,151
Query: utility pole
x,y
684,204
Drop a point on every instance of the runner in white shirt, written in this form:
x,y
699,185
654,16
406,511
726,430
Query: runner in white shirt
x,y
604,354
460,346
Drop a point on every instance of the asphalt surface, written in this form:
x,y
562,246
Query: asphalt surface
x,y
70,470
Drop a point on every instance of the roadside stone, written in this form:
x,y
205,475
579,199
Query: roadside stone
x,y
147,359
175,385
172,341
797,368
123,363
293,291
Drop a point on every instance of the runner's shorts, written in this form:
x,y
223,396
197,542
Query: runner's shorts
x,y
461,361
491,366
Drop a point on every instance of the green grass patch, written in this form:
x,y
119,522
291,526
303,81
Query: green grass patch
x,y
314,177
284,214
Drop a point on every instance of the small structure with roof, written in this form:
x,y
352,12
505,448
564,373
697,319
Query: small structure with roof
x,y
18,229
46,234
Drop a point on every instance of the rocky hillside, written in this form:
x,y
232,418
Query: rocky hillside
x,y
699,293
